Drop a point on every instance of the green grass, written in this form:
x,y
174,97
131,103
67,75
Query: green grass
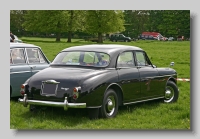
x,y
152,115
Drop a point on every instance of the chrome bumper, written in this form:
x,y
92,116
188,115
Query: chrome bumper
x,y
64,104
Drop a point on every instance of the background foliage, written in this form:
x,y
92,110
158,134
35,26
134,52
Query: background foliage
x,y
82,23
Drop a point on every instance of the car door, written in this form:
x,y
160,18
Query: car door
x,y
36,60
129,78
121,38
149,77
19,70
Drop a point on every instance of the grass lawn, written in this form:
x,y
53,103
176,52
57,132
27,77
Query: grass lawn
x,y
149,115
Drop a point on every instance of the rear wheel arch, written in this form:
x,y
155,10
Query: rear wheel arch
x,y
118,91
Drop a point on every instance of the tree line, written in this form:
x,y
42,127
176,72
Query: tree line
x,y
68,23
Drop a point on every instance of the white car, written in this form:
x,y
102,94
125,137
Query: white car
x,y
171,39
17,39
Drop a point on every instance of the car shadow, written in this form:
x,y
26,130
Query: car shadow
x,y
48,41
75,116
144,105
70,118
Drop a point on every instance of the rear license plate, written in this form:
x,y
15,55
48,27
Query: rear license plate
x,y
49,89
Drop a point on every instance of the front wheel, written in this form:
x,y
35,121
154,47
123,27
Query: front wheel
x,y
171,92
109,107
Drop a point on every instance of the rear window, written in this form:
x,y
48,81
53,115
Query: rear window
x,y
80,58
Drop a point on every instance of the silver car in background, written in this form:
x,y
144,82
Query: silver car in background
x,y
25,61
17,39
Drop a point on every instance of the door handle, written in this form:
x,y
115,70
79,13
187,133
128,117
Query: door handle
x,y
32,67
138,67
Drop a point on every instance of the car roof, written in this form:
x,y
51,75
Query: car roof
x,y
112,49
106,48
22,45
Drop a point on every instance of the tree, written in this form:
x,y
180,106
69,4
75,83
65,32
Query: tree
x,y
136,21
167,22
103,22
75,22
171,22
16,21
54,21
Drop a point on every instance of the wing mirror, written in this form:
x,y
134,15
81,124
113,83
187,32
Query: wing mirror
x,y
171,64
154,66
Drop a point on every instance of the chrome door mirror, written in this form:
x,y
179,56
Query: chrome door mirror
x,y
171,64
154,66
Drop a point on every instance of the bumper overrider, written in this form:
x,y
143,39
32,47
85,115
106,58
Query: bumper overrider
x,y
64,104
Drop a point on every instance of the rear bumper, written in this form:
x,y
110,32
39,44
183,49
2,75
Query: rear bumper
x,y
64,104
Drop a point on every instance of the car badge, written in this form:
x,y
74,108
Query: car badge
x,y
64,88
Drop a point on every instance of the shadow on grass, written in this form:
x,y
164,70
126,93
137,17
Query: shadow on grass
x,y
70,118
144,105
50,41
73,117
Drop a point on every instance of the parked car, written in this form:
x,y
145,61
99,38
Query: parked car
x,y
147,37
164,38
100,78
171,39
17,39
25,60
119,38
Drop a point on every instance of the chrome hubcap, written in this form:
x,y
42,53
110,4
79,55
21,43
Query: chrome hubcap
x,y
110,105
169,94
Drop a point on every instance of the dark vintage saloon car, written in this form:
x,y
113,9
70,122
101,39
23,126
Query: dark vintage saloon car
x,y
100,78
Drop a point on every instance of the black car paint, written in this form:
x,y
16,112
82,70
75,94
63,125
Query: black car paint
x,y
133,84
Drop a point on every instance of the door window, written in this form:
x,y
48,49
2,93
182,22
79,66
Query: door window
x,y
142,59
17,56
35,56
125,59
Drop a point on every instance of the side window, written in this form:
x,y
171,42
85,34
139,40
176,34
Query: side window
x,y
35,56
125,59
89,57
42,59
71,58
141,59
17,56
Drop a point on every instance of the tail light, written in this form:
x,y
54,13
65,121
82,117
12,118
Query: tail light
x,y
76,92
22,91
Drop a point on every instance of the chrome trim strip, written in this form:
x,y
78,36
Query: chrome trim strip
x,y
95,107
170,75
23,71
142,100
110,68
64,104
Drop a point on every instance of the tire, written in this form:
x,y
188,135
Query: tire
x,y
32,108
171,92
109,106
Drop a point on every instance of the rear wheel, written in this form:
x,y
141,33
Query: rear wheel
x,y
109,107
171,92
